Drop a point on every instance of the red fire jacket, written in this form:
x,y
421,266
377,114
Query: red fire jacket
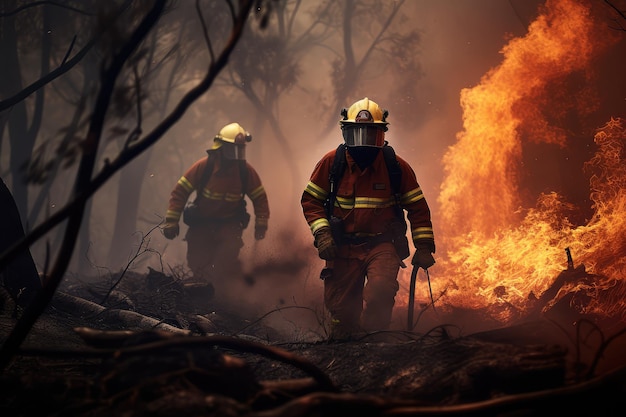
x,y
365,199
222,193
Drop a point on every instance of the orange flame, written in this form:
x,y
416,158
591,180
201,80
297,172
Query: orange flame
x,y
497,250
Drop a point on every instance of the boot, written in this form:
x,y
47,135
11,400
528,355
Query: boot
x,y
342,332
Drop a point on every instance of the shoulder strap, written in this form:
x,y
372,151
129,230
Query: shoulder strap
x,y
243,176
395,176
206,174
334,176
393,168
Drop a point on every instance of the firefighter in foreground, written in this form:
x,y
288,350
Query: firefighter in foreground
x,y
354,204
218,215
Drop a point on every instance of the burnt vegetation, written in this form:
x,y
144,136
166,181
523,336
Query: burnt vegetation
x,y
137,344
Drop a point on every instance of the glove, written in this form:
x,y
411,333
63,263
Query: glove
x,y
171,230
423,257
259,232
325,244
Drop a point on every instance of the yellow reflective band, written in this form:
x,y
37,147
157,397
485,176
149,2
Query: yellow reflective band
x,y
316,191
184,182
318,224
172,215
230,197
422,233
344,203
363,203
373,203
257,192
412,196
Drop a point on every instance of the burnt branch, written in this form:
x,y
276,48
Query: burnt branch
x,y
621,13
51,76
86,186
41,3
85,169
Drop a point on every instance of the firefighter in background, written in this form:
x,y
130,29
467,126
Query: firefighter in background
x,y
218,216
356,239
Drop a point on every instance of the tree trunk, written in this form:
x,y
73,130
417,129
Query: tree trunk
x,y
21,135
128,194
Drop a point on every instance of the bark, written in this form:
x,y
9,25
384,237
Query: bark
x,y
111,317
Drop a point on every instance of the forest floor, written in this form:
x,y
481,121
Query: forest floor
x,y
77,361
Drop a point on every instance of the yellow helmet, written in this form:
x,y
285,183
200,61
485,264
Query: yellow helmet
x,y
364,123
232,138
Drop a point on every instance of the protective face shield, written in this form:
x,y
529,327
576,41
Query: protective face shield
x,y
234,151
363,135
231,140
364,123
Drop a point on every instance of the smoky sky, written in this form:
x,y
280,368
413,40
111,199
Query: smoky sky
x,y
460,41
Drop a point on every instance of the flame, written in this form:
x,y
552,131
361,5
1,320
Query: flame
x,y
498,251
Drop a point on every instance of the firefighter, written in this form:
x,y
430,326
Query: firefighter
x,y
218,215
357,235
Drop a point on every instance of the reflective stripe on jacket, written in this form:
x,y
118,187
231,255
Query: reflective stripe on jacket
x,y
365,199
222,194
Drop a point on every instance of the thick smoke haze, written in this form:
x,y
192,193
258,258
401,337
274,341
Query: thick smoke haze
x,y
459,43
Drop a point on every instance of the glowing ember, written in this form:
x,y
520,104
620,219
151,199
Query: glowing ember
x,y
493,251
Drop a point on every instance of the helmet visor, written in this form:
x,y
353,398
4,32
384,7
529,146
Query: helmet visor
x,y
363,135
234,151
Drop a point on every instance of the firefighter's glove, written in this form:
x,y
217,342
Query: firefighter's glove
x,y
171,230
423,257
259,232
325,244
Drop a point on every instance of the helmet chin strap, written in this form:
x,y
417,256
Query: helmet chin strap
x,y
363,155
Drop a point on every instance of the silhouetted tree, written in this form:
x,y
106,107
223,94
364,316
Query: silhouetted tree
x,y
269,64
88,180
19,275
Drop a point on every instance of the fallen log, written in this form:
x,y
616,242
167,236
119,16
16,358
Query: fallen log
x,y
136,320
110,339
75,305
85,308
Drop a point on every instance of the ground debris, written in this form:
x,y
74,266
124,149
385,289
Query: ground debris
x,y
83,360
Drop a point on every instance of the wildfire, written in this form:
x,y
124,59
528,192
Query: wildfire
x,y
496,250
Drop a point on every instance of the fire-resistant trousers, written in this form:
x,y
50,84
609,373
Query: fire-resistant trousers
x,y
213,251
360,286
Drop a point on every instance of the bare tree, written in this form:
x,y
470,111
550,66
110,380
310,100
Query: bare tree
x,y
22,131
87,182
154,85
268,64
372,43
620,19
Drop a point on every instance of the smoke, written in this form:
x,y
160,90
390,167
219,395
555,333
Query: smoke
x,y
460,42
463,45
